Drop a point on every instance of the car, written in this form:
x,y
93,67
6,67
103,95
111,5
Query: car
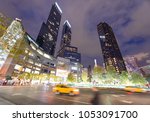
x,y
61,88
134,89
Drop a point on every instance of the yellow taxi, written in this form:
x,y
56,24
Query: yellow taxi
x,y
134,89
61,88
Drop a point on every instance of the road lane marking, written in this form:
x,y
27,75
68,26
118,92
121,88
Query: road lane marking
x,y
118,95
73,101
115,95
5,102
16,94
126,101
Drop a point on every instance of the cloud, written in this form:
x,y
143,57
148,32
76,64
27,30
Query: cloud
x,y
141,56
148,61
140,25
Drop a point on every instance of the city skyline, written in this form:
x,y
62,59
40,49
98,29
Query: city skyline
x,y
131,28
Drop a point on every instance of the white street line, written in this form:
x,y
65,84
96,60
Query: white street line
x,y
118,95
125,101
16,94
5,102
115,95
73,101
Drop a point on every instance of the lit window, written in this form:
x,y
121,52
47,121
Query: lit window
x,y
47,56
40,52
74,68
30,61
53,72
102,37
26,51
27,70
33,47
36,72
38,64
38,69
31,54
18,67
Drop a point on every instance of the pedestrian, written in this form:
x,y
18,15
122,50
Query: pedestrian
x,y
95,99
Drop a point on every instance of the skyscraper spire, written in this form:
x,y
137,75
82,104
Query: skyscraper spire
x,y
95,63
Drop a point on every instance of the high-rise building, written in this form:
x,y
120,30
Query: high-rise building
x,y
48,34
110,49
66,50
132,65
66,35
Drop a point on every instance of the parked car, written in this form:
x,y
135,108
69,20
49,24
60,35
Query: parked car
x,y
61,88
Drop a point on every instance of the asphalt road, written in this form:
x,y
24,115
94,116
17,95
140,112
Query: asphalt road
x,y
42,95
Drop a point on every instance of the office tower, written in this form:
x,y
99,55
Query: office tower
x,y
66,50
66,34
110,49
48,34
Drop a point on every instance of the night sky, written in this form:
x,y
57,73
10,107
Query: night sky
x,y
130,20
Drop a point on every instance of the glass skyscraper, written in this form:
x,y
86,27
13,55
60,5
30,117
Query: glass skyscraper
x,y
66,50
66,34
48,34
110,49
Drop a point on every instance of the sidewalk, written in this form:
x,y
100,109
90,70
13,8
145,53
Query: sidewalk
x,y
5,102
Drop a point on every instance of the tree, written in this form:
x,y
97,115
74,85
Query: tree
x,y
124,77
97,72
4,23
8,77
25,76
2,30
138,79
71,77
111,70
84,76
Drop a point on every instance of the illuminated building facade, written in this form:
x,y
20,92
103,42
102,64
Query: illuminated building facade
x,y
65,66
66,34
20,54
48,34
132,65
110,49
146,71
66,50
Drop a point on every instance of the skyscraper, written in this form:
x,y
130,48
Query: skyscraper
x,y
132,65
47,37
66,50
66,34
110,49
